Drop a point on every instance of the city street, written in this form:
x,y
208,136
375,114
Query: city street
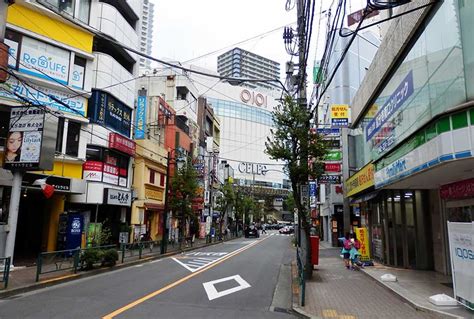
x,y
235,279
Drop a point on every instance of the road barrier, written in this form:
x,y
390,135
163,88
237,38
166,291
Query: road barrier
x,y
5,270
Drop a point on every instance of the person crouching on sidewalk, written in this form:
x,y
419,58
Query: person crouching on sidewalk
x,y
354,252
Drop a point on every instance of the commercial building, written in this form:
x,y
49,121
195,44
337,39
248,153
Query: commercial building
x,y
335,213
50,63
413,136
147,18
110,150
244,64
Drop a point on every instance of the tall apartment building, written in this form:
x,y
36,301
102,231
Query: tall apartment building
x,y
241,63
146,33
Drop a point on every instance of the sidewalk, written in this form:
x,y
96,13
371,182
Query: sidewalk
x,y
336,292
23,279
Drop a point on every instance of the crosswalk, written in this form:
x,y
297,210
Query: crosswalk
x,y
194,261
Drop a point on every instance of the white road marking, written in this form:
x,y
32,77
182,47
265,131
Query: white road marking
x,y
197,263
212,292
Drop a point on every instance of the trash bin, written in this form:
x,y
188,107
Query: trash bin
x,y
314,250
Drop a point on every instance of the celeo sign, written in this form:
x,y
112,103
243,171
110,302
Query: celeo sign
x,y
461,247
251,168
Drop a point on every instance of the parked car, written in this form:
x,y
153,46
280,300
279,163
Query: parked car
x,y
251,231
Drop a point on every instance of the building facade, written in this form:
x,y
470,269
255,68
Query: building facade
x,y
414,135
147,18
36,31
240,63
110,149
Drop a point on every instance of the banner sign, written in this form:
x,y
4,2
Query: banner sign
x,y
393,103
333,156
332,167
461,248
140,118
329,179
458,190
92,171
363,236
363,179
340,115
329,132
123,144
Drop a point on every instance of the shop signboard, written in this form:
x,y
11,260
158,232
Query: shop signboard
x,y
121,143
333,155
110,112
329,132
363,236
31,139
332,167
391,106
458,190
329,179
71,104
140,118
110,174
340,115
313,189
92,171
44,60
75,225
333,143
360,181
461,247
118,197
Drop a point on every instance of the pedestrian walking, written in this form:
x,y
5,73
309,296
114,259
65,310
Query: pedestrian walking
x,y
346,250
263,229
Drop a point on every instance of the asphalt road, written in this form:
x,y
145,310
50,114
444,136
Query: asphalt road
x,y
243,278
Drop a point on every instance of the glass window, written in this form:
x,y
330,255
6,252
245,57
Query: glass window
x,y
84,10
59,136
72,139
94,153
152,176
78,73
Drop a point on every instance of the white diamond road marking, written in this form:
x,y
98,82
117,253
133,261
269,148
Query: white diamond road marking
x,y
212,292
194,262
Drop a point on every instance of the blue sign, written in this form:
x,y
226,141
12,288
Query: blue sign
x,y
75,225
340,122
140,118
108,111
312,188
329,131
398,97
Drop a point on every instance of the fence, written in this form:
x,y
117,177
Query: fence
x,y
139,249
5,270
301,277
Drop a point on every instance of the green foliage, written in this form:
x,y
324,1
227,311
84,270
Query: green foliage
x,y
227,200
293,143
244,204
289,203
101,237
109,257
184,186
89,257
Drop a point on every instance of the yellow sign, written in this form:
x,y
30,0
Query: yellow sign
x,y
154,194
363,179
339,111
363,236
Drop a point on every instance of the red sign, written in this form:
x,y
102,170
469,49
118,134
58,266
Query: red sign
x,y
123,144
332,167
355,17
458,190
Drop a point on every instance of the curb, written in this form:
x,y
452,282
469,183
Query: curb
x,y
71,277
295,296
412,303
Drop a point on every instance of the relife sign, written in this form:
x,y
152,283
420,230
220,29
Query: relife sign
x,y
252,168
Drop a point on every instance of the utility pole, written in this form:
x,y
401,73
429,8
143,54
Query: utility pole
x,y
302,102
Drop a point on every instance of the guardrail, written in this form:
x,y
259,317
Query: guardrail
x,y
139,249
5,270
301,277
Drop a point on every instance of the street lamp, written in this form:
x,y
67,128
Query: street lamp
x,y
179,162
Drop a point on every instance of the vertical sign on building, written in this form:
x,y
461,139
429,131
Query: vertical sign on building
x,y
340,115
312,194
140,116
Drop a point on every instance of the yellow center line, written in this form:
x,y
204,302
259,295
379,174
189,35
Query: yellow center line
x,y
174,284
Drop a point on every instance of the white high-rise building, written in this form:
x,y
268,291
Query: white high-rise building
x,y
146,33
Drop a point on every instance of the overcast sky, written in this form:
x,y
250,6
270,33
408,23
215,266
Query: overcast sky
x,y
186,29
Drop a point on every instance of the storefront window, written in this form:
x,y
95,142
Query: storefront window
x,y
463,214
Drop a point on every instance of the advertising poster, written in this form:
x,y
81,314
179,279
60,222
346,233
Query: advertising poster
x,y
461,248
363,236
23,143
339,115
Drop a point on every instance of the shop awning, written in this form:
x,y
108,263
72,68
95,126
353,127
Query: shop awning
x,y
152,206
364,198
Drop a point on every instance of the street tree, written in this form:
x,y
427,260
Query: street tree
x,y
302,151
226,201
184,187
